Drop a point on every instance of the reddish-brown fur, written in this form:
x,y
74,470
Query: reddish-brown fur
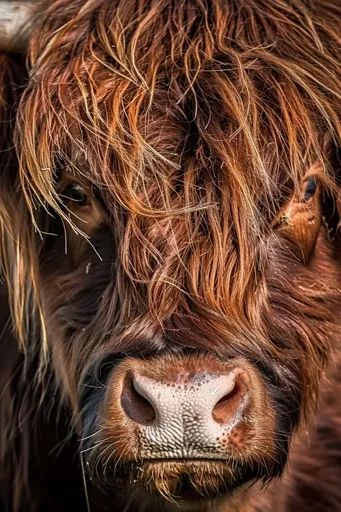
x,y
194,129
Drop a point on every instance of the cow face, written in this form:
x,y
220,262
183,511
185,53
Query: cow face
x,y
181,237
188,409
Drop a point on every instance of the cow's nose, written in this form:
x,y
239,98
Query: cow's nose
x,y
188,417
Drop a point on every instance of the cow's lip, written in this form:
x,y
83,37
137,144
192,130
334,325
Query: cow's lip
x,y
189,498
185,460
186,495
186,491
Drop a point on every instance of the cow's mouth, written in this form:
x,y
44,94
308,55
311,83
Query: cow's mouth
x,y
187,480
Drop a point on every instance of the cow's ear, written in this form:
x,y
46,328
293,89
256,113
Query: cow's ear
x,y
331,199
300,218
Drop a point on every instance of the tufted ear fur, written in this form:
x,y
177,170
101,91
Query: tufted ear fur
x,y
317,202
332,197
300,218
15,477
9,98
12,80
17,235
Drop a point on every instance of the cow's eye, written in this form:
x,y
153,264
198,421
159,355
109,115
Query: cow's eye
x,y
81,203
75,193
309,188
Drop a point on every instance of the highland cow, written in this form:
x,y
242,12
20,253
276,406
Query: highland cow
x,y
170,256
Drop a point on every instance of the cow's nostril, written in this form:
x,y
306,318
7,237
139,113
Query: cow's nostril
x,y
136,406
226,408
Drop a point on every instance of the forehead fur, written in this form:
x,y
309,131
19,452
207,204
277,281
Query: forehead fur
x,y
141,95
193,122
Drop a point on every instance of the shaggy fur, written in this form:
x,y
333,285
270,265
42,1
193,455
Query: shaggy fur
x,y
193,126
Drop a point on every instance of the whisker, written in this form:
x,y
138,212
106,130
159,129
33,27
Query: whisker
x,y
89,436
85,485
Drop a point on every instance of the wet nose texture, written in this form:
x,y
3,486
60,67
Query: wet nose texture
x,y
187,418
